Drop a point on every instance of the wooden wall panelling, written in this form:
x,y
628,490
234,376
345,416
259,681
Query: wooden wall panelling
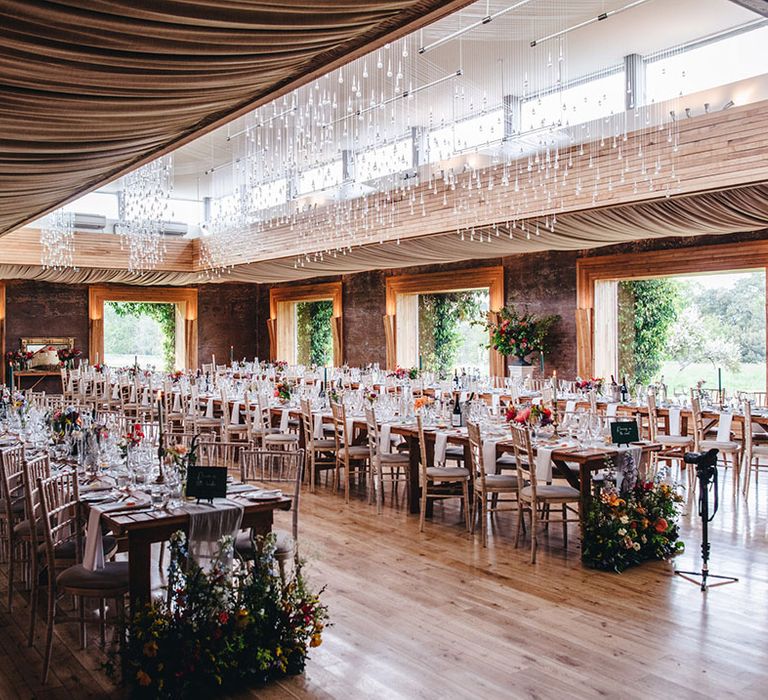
x,y
187,296
389,340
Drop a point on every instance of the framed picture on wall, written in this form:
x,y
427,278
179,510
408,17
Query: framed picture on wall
x,y
58,343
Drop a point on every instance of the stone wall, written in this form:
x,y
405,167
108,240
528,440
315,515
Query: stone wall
x,y
229,315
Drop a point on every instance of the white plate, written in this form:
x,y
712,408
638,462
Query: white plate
x,y
264,496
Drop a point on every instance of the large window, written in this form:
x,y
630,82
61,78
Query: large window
x,y
314,332
715,63
141,332
432,320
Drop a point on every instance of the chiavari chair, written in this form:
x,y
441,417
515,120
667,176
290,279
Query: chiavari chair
x,y
13,507
320,452
350,458
386,466
440,482
752,451
537,499
484,485
728,448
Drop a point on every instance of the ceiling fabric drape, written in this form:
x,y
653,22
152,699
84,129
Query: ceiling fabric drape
x,y
89,88
729,211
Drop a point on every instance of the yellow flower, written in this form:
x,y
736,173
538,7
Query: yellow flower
x,y
316,640
143,678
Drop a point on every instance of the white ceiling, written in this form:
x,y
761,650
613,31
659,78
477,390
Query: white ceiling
x,y
493,57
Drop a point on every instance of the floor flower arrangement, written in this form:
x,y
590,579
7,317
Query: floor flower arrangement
x,y
218,631
625,529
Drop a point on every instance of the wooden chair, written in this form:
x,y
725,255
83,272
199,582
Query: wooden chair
x,y
219,454
728,448
494,485
673,447
538,499
752,451
272,438
321,452
233,428
273,467
13,506
440,482
59,511
350,458
386,466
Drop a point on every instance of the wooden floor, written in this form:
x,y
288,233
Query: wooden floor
x,y
434,615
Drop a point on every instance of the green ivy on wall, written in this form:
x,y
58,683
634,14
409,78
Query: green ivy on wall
x,y
164,314
314,337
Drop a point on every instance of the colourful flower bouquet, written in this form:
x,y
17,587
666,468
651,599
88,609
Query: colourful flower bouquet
x,y
283,391
68,356
519,335
99,367
530,415
62,422
595,383
421,402
215,634
176,376
371,397
19,359
622,530
402,373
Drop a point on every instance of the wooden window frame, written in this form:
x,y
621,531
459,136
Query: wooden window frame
x,y
435,283
3,363
97,295
726,257
308,292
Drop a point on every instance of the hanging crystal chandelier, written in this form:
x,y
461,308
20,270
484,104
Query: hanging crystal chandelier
x,y
57,240
143,209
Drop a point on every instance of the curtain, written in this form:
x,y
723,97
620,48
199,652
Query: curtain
x,y
728,211
286,332
92,88
606,328
407,330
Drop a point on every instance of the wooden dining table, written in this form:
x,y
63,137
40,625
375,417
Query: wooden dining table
x,y
143,528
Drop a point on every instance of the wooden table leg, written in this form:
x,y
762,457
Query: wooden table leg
x,y
414,491
139,577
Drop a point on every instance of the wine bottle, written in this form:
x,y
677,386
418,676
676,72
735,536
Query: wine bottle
x,y
456,378
456,415
623,389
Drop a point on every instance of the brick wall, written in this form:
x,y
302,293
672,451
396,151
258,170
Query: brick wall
x,y
229,314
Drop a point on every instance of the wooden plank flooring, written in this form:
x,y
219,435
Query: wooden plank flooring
x,y
433,615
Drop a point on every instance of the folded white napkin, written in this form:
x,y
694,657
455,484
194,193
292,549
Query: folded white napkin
x,y
544,465
611,409
317,430
489,456
235,418
674,421
133,393
441,442
724,427
209,408
176,403
116,391
285,416
385,443
93,556
494,401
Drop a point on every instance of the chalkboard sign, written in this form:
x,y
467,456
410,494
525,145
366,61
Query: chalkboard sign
x,y
623,432
207,482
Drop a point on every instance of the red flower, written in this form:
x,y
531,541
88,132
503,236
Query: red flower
x,y
223,618
661,525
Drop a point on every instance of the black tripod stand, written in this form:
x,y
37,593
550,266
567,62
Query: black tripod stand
x,y
706,473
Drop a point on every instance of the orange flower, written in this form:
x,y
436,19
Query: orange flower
x,y
421,401
661,525
316,640
143,678
150,649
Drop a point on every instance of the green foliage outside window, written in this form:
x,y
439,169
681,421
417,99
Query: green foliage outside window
x,y
314,338
164,314
440,316
648,310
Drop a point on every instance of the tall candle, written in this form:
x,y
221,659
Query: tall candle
x,y
231,354
213,361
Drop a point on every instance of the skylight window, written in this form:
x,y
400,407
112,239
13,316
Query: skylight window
x,y
385,160
713,64
321,178
465,135
102,203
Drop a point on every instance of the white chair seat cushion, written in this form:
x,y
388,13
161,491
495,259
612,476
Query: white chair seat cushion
x,y
552,491
395,458
447,473
506,460
113,577
355,452
281,438
500,481
454,452
674,440
284,543
324,444
760,450
724,446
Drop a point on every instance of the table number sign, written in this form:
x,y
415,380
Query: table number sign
x,y
207,483
624,432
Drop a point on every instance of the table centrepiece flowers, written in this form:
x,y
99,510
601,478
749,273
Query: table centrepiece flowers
x,y
517,335
535,415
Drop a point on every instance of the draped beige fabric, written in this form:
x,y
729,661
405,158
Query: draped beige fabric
x,y
89,88
728,211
